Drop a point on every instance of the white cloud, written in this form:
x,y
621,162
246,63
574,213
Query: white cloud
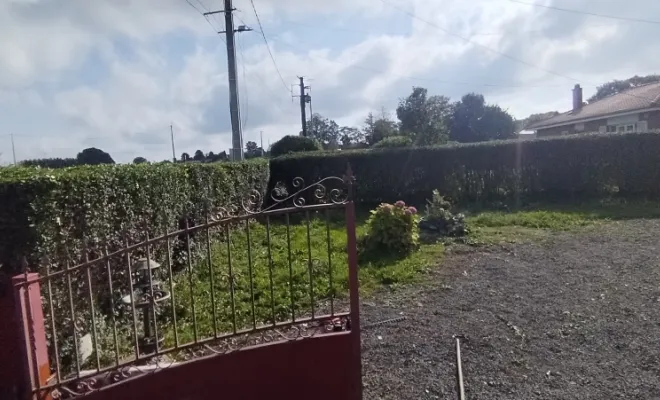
x,y
159,63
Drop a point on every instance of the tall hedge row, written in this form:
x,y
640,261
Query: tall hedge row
x,y
47,212
554,168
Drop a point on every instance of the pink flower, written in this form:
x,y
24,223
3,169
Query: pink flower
x,y
408,211
400,204
412,210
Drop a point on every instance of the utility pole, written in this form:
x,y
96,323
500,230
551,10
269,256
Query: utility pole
x,y
234,110
173,151
13,148
304,99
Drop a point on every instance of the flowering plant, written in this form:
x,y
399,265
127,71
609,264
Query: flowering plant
x,y
393,228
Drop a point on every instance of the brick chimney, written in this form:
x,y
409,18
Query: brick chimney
x,y
577,97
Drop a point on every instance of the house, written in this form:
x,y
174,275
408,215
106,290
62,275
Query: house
x,y
633,110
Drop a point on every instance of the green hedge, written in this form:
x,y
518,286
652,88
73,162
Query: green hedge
x,y
50,211
543,169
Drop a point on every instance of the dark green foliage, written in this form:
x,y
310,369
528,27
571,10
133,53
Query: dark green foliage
x,y
394,141
569,167
473,120
522,124
293,144
139,160
50,162
379,128
438,220
424,118
94,156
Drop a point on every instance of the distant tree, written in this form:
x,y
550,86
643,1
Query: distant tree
x,y
293,144
617,86
522,124
349,136
185,157
222,156
324,130
378,128
199,156
94,156
424,118
473,120
252,150
139,160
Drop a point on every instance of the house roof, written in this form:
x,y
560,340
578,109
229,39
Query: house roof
x,y
637,98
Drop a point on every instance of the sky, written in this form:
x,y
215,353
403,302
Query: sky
x,y
115,74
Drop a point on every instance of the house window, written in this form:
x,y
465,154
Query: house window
x,y
622,128
564,133
579,127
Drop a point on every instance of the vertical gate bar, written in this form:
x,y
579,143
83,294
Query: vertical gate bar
x,y
209,256
353,280
330,284
73,316
231,279
270,271
58,371
95,339
171,281
132,299
152,295
288,246
460,388
210,262
29,332
310,265
190,281
250,272
112,305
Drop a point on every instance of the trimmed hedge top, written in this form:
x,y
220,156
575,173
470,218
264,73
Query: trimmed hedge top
x,y
52,211
575,166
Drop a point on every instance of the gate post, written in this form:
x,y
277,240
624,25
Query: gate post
x,y
11,372
354,284
33,346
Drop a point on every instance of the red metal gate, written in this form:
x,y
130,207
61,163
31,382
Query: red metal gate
x,y
244,305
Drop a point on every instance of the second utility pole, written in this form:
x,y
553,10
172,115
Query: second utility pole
x,y
303,101
234,110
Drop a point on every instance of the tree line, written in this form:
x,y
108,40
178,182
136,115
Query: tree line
x,y
423,120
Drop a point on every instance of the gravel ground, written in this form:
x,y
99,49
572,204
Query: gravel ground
x,y
574,317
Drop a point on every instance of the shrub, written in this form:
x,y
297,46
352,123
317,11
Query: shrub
x,y
392,229
57,217
43,208
294,144
394,141
439,220
561,168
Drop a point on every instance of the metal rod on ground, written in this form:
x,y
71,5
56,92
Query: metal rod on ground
x,y
460,388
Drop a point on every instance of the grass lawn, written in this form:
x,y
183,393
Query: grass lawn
x,y
536,221
277,273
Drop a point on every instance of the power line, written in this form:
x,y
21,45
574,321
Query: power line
x,y
416,78
502,54
206,17
645,21
261,29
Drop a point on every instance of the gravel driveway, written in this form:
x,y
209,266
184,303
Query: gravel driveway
x,y
574,317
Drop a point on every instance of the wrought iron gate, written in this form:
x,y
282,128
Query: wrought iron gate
x,y
248,301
